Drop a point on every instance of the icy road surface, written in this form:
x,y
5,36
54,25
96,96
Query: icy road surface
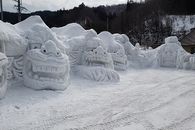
x,y
162,99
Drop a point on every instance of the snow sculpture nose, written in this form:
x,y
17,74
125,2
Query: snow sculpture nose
x,y
50,48
100,51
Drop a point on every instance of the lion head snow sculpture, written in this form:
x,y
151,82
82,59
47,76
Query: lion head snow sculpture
x,y
90,59
46,68
168,53
130,51
115,49
3,71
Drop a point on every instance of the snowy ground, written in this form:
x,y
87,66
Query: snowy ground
x,y
149,99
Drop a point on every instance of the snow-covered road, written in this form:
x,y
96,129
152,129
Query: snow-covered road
x,y
148,99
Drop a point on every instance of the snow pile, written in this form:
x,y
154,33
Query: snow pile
x,y
37,32
69,31
115,49
89,58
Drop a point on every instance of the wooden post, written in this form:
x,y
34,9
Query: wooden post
x,y
1,9
19,11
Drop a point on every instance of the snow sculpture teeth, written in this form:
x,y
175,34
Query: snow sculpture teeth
x,y
46,68
90,59
3,71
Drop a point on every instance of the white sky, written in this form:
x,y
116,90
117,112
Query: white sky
x,y
34,5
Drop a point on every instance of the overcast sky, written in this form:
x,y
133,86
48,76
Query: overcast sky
x,y
34,5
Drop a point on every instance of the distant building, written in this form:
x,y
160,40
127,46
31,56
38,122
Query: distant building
x,y
188,41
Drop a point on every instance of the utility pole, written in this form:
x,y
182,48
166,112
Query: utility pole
x,y
19,11
19,8
1,2
107,22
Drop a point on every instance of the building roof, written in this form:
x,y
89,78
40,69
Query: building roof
x,y
189,39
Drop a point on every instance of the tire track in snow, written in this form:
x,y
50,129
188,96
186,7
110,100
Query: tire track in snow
x,y
133,118
128,118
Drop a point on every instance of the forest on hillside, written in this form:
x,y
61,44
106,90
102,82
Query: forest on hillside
x,y
140,21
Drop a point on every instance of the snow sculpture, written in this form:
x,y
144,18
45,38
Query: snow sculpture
x,y
90,59
46,68
69,31
15,47
168,53
115,49
36,32
130,51
3,71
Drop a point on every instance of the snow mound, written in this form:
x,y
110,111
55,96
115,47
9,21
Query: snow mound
x,y
15,45
115,49
37,32
70,30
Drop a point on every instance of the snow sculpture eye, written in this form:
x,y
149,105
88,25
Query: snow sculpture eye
x,y
43,50
58,53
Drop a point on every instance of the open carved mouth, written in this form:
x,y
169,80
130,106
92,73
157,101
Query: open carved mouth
x,y
96,61
46,72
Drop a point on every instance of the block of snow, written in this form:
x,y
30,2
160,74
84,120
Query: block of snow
x,y
46,68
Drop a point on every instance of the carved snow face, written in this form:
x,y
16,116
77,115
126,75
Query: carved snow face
x,y
3,72
119,59
46,68
115,49
94,52
97,57
90,59
168,55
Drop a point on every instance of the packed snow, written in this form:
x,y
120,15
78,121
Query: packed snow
x,y
145,99
154,91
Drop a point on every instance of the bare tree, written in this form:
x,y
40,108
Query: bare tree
x,y
1,9
19,8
